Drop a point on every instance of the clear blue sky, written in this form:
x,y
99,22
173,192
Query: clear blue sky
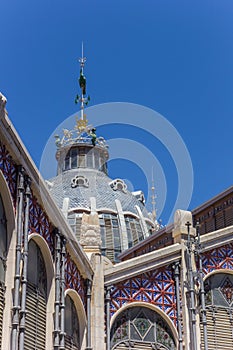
x,y
173,56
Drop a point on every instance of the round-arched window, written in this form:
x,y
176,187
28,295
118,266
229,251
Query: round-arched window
x,y
72,329
137,327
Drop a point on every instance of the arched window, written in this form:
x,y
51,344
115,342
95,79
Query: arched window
x,y
3,253
110,235
219,306
72,329
134,230
140,327
36,299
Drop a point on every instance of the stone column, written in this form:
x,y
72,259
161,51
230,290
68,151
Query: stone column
x,y
97,303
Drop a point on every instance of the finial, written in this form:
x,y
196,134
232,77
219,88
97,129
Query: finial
x,y
83,100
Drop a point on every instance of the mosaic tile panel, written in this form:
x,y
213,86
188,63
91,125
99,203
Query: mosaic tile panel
x,y
218,258
154,287
9,170
39,222
73,278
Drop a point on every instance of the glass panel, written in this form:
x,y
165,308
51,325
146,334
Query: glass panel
x,y
73,158
134,230
67,163
82,160
71,321
120,329
219,290
144,325
36,269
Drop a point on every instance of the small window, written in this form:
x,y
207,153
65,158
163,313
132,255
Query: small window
x,y
81,181
118,185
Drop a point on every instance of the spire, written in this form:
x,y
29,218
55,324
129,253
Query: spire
x,y
82,99
153,197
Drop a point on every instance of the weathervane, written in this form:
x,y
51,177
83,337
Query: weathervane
x,y
82,132
83,100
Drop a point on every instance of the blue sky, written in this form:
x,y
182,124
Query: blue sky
x,y
172,56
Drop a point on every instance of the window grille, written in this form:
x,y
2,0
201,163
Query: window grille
x,y
219,302
72,329
110,235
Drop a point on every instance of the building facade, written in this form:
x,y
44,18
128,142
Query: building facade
x,y
83,265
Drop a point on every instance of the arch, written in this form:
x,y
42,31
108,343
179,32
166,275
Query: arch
x,y
50,272
78,210
129,213
140,326
46,253
8,205
10,256
226,271
153,308
105,210
80,312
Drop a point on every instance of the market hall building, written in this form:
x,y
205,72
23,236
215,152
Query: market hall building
x,y
83,265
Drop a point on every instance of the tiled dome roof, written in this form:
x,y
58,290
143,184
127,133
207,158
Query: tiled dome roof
x,y
95,184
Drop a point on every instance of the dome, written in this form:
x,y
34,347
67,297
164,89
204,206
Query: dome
x,y
77,186
82,185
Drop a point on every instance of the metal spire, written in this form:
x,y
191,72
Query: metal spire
x,y
153,197
82,61
83,100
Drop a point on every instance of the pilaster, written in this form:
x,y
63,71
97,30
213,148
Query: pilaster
x,y
184,233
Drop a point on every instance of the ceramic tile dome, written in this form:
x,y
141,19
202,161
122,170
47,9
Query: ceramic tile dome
x,y
82,185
